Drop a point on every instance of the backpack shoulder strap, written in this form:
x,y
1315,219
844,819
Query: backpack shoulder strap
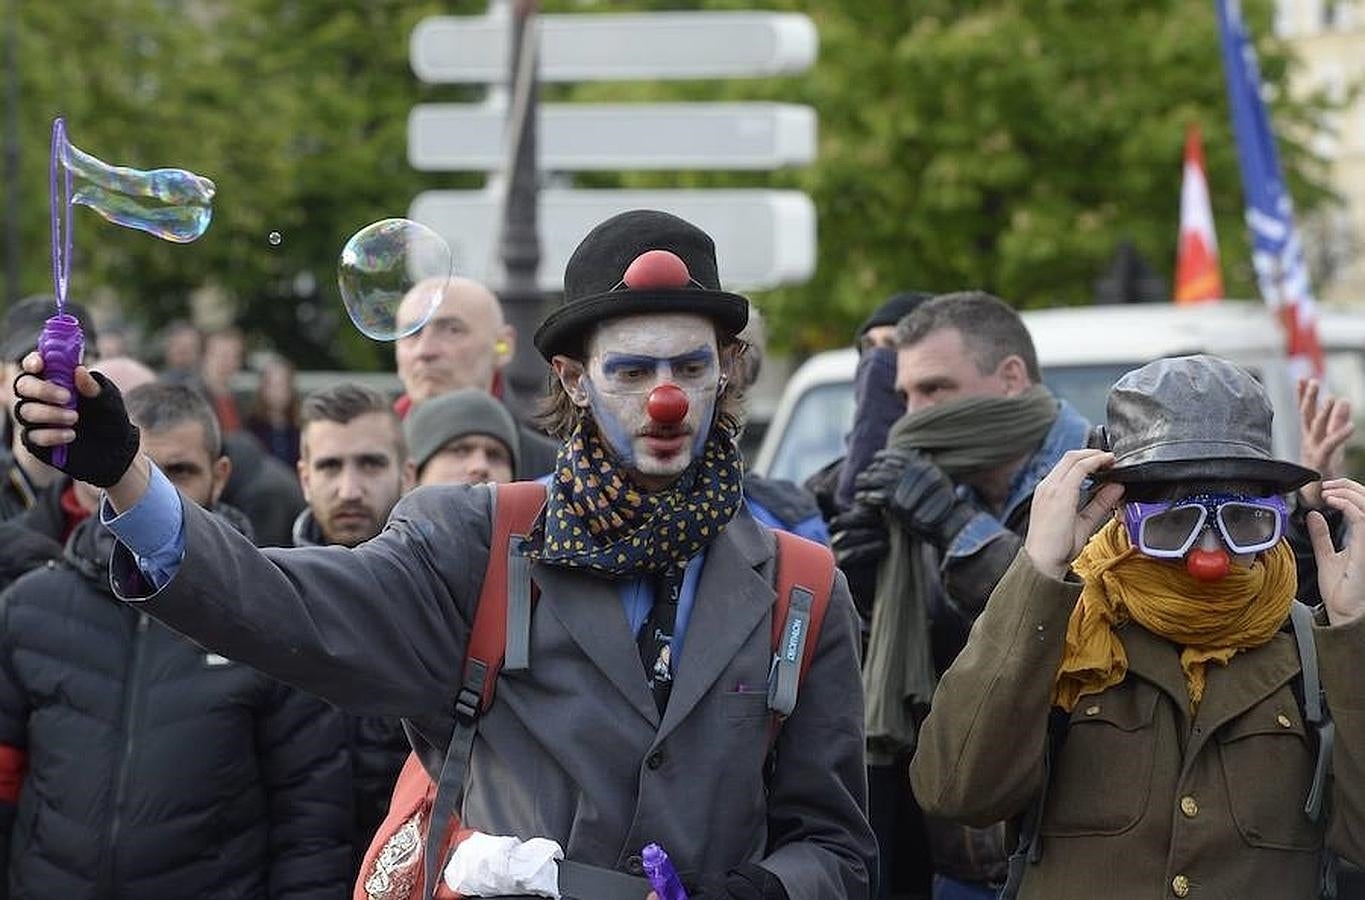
x,y
1315,712
515,507
804,581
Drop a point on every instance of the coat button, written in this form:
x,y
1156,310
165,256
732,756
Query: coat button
x,y
1189,806
1180,885
1092,710
1284,721
635,865
655,759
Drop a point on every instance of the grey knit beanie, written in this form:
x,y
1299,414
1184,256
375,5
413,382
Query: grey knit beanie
x,y
436,422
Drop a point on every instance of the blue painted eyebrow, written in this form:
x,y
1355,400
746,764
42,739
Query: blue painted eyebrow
x,y
617,361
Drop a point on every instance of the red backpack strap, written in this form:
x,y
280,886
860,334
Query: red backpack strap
x,y
515,507
804,581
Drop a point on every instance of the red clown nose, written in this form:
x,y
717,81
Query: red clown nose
x,y
1208,565
657,269
667,404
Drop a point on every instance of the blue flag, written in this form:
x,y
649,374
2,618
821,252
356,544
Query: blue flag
x,y
1276,252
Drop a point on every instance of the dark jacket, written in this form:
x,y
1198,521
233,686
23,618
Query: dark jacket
x,y
262,487
155,770
16,494
573,749
377,744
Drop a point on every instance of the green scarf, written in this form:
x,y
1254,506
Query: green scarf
x,y
597,519
962,437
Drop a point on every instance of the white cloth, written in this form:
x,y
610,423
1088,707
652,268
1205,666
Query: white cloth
x,y
487,865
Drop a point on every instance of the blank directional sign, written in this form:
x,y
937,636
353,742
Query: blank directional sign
x,y
445,137
612,47
764,238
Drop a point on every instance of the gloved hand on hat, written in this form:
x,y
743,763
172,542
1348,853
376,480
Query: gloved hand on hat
x,y
917,493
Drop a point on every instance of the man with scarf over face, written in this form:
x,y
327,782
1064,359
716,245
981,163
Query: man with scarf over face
x,y
942,511
1160,648
643,714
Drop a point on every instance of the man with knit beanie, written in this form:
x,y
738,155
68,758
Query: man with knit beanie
x,y
463,437
641,713
1136,692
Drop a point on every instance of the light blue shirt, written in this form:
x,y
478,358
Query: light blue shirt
x,y
153,530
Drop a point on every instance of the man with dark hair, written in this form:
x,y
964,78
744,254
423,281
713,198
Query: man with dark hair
x,y
642,714
132,762
354,466
1142,680
940,513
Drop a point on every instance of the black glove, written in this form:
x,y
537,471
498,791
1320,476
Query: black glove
x,y
746,882
106,441
859,536
917,493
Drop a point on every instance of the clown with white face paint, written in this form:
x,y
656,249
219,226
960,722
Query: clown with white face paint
x,y
654,403
642,712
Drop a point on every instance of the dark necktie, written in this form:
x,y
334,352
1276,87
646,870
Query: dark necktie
x,y
656,635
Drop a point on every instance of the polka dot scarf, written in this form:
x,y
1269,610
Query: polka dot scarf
x,y
596,519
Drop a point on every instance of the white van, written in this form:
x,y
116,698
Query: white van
x,y
1082,351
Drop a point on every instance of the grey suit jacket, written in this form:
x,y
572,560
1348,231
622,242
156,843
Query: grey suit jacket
x,y
572,749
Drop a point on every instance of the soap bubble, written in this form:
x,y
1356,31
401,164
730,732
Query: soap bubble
x,y
274,238
392,275
173,204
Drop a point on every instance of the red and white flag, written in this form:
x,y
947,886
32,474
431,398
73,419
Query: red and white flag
x,y
1197,276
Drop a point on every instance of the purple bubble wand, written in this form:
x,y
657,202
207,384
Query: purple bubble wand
x,y
661,874
62,343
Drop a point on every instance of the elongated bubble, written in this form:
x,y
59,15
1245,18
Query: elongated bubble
x,y
172,204
392,275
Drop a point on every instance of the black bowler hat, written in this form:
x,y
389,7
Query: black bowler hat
x,y
622,268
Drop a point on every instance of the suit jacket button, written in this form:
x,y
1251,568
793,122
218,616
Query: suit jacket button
x,y
635,865
655,759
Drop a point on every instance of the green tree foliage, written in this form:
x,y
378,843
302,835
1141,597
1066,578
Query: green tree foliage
x,y
1009,145
1003,144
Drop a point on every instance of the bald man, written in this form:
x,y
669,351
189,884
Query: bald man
x,y
464,344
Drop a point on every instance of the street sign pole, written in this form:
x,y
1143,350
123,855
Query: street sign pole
x,y
520,239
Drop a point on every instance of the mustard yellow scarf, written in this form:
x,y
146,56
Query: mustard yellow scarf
x,y
1210,621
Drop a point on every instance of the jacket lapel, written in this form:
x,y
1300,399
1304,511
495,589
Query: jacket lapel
x,y
590,610
1157,661
1250,677
733,598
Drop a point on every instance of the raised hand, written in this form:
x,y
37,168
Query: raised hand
x,y
1341,574
102,442
1058,525
1325,428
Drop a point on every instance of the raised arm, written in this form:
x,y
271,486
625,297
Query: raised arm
x,y
980,753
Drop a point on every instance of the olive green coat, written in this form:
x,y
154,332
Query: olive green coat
x,y
1145,801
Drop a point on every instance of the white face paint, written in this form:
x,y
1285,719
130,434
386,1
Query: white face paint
x,y
630,357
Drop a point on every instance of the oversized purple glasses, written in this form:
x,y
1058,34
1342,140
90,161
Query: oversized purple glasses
x,y
1168,529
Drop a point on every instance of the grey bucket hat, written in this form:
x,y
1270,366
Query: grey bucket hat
x,y
1194,418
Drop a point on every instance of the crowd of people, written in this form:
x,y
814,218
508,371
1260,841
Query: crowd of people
x,y
244,645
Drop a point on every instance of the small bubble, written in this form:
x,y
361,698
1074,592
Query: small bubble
x,y
274,238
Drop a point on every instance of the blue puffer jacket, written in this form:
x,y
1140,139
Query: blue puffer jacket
x,y
135,765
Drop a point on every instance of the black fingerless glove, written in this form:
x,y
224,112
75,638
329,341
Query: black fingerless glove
x,y
106,441
747,882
